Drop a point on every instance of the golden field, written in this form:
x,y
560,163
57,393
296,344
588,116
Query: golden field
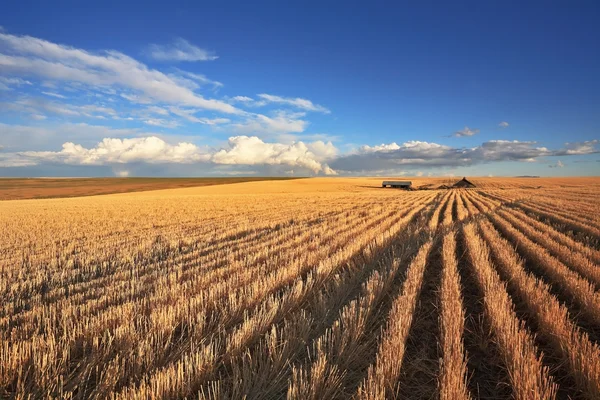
x,y
324,288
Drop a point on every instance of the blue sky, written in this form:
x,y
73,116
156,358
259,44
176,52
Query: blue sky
x,y
322,88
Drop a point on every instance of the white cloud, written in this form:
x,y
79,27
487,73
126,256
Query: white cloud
x,y
38,117
194,81
157,110
29,56
297,102
180,50
253,151
23,137
122,151
240,151
189,115
381,147
52,94
41,105
559,164
466,132
6,83
280,123
161,122
503,124
242,99
576,148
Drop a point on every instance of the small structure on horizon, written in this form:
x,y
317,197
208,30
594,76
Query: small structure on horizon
x,y
463,183
397,184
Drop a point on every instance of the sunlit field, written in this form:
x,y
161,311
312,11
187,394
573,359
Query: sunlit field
x,y
305,289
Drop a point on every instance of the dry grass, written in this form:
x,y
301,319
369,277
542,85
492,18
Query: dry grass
x,y
453,366
310,288
45,188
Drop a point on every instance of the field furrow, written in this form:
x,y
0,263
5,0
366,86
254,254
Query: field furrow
x,y
305,289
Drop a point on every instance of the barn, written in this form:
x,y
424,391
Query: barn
x,y
463,183
397,184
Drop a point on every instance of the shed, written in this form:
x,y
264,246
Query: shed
x,y
397,184
463,183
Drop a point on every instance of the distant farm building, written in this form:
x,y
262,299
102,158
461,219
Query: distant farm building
x,y
397,184
463,183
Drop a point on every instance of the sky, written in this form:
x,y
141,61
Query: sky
x,y
299,88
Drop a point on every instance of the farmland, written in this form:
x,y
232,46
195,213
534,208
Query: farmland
x,y
305,289
45,188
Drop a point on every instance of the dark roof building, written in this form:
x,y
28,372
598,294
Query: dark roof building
x,y
463,183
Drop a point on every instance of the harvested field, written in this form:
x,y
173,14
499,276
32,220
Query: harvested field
x,y
304,289
45,188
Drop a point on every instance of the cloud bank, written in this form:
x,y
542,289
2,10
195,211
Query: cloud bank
x,y
418,154
240,150
309,158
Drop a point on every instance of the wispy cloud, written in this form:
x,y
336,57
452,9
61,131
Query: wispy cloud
x,y
242,99
281,122
163,123
180,50
297,102
466,132
52,94
197,80
559,164
7,83
503,124
29,56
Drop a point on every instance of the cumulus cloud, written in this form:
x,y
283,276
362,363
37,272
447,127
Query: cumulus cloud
x,y
180,50
503,124
380,147
297,102
121,151
29,56
466,132
577,148
317,157
240,151
253,151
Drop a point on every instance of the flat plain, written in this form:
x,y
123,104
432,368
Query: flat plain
x,y
304,289
45,188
